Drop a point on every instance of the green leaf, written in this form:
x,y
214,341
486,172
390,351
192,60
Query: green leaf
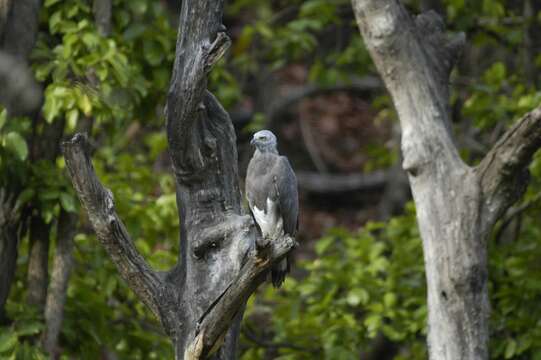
x,y
84,104
25,196
72,117
30,328
67,201
323,244
8,340
49,3
357,296
16,143
389,299
153,52
54,22
51,108
510,349
3,118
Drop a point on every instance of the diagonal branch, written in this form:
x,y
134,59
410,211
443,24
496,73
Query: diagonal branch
x,y
217,319
503,172
98,202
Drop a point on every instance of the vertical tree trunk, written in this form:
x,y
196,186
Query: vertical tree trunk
x,y
457,205
44,147
8,251
38,262
58,285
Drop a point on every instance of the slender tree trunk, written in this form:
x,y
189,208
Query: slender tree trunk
x,y
58,285
8,251
38,262
457,205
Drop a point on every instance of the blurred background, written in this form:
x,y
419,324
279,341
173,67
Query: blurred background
x,y
299,68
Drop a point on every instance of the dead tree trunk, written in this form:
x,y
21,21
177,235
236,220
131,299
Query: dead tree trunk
x,y
221,260
457,205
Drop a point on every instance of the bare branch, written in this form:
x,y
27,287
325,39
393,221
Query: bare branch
x,y
98,202
217,319
311,147
334,183
504,170
512,214
364,86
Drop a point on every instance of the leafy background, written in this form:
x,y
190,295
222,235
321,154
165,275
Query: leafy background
x,y
358,288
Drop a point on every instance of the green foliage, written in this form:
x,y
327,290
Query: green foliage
x,y
110,82
371,283
90,75
360,285
515,287
494,102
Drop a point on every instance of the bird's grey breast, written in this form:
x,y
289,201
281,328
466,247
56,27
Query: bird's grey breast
x,y
259,179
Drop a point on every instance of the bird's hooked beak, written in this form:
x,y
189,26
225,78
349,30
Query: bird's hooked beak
x,y
252,142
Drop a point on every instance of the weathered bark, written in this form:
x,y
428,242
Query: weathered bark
x,y
58,285
8,259
46,147
457,205
221,260
38,262
9,239
19,92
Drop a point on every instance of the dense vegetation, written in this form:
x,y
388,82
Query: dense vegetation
x,y
358,287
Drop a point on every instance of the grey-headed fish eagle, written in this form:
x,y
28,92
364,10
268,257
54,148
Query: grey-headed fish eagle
x,y
271,191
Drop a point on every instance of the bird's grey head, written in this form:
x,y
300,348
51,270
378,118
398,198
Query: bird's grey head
x,y
264,141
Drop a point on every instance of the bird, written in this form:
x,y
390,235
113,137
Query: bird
x,y
272,195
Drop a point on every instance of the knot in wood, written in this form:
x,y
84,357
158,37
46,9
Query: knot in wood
x,y
210,147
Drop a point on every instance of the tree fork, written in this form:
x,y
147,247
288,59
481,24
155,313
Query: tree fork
x,y
457,205
222,260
